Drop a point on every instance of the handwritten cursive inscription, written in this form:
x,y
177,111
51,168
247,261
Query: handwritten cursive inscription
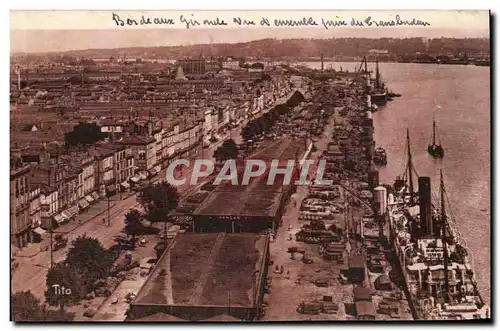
x,y
333,23
239,21
396,22
190,21
292,23
214,22
144,20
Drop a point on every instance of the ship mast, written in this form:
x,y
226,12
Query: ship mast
x,y
377,75
433,132
410,165
445,245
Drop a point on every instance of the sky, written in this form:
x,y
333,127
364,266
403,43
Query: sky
x,y
47,31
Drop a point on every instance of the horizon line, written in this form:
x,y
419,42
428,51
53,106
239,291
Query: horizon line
x,y
217,43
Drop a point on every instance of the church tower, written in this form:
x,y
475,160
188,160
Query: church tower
x,y
180,74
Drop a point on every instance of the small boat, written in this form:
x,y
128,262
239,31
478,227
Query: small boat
x,y
379,156
435,149
393,95
482,63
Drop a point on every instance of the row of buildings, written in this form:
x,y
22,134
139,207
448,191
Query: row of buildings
x,y
54,184
148,120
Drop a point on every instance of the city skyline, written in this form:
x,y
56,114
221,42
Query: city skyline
x,y
48,41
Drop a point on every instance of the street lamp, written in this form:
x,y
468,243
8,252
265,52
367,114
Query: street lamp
x,y
109,217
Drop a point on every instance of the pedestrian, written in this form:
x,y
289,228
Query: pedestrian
x,y
103,220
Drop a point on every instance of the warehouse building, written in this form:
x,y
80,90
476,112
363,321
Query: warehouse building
x,y
204,275
254,207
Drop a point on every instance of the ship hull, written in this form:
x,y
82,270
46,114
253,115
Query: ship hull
x,y
379,99
482,63
409,286
435,151
379,160
402,274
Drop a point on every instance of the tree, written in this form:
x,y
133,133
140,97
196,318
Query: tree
x,y
257,65
227,151
86,62
26,307
84,134
231,148
57,315
90,259
248,132
295,100
63,285
133,225
219,154
75,80
265,77
159,200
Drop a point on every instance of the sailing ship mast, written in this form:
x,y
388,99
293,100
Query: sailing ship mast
x,y
377,75
445,245
434,147
410,165
433,132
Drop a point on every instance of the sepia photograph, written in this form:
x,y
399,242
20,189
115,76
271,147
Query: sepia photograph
x,y
250,166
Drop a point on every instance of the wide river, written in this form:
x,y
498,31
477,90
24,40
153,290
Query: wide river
x,y
459,98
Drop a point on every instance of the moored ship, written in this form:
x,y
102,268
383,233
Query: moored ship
x,y
378,95
482,63
436,264
435,149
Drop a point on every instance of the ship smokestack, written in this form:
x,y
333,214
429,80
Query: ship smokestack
x,y
424,190
373,179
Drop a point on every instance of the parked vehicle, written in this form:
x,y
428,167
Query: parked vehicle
x,y
129,297
60,242
313,308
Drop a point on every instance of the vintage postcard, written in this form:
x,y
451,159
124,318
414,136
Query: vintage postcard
x,y
250,166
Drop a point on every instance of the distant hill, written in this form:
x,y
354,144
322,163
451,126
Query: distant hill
x,y
295,48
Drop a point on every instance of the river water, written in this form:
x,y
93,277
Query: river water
x,y
459,98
